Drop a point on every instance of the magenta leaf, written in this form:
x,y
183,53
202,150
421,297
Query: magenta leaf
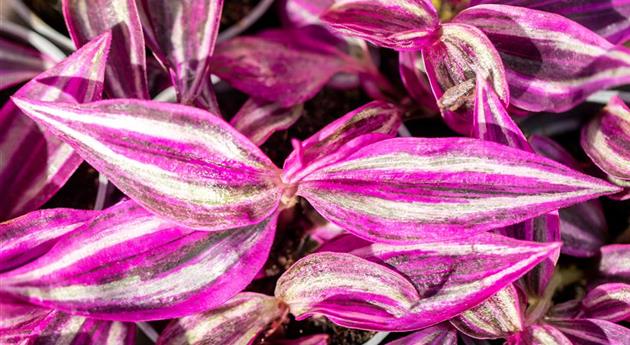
x,y
258,120
610,302
402,25
238,321
406,189
608,18
453,63
440,334
180,162
449,278
372,122
33,163
606,139
592,331
126,74
19,63
497,317
278,71
129,265
415,81
24,238
540,334
615,261
18,318
547,71
182,35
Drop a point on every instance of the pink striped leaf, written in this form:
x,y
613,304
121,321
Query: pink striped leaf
x,y
606,139
180,162
258,120
129,265
497,317
592,331
551,149
126,74
34,164
303,12
453,63
372,122
24,238
18,318
182,35
238,321
410,67
608,18
288,73
551,63
448,278
428,189
19,63
610,302
540,334
440,334
404,25
615,261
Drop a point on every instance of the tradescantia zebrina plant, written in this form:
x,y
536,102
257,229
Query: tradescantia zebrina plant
x,y
445,237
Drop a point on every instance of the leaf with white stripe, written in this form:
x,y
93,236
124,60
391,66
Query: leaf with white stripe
x,y
129,265
592,331
236,322
606,139
551,63
303,12
610,302
540,334
497,317
431,189
372,122
19,63
453,64
615,261
608,18
180,162
258,119
44,162
404,25
449,278
24,238
126,74
411,70
440,334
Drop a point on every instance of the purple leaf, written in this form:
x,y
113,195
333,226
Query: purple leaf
x,y
182,35
592,331
126,74
35,164
129,265
404,25
415,81
180,162
275,71
19,63
303,12
449,278
18,318
615,261
497,317
238,321
374,121
24,238
540,334
551,62
608,18
606,139
440,334
428,189
258,120
551,149
453,63
610,302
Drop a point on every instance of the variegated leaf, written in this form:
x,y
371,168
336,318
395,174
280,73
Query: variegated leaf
x,y
258,120
592,331
19,63
440,334
303,12
610,302
411,67
540,334
180,162
129,265
615,261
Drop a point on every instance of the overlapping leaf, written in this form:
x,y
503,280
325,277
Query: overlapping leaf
x,y
33,163
440,334
126,75
238,321
415,81
19,63
540,334
592,331
258,120
551,63
419,189
610,302
180,162
129,265
401,24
